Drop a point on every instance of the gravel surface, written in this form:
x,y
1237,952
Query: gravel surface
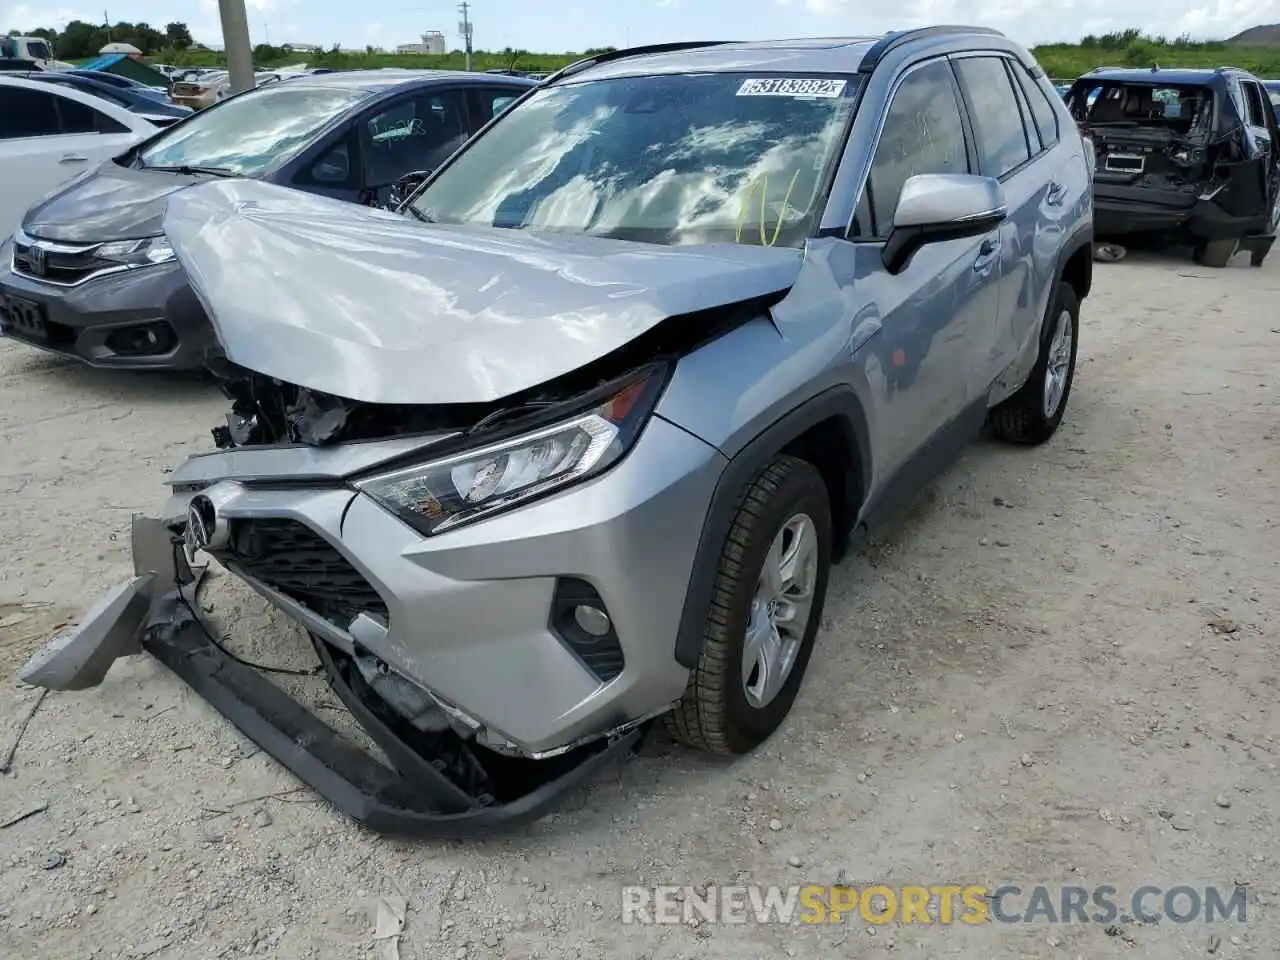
x,y
1056,671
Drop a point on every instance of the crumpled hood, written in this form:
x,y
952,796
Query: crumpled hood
x,y
375,307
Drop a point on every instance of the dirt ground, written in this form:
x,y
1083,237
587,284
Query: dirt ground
x,y
1058,671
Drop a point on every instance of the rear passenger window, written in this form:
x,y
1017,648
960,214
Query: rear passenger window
x,y
81,118
27,113
1255,104
923,133
1042,111
1002,142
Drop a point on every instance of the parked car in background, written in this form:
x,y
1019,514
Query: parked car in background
x,y
50,133
261,79
1273,94
138,88
1193,154
199,90
574,442
159,112
350,136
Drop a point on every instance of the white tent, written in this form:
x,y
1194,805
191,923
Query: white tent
x,y
125,48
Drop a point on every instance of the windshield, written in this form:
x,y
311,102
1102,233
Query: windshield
x,y
660,159
39,50
248,134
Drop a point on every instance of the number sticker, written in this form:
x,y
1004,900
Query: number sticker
x,y
792,87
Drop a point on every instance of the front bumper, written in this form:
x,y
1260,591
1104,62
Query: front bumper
x,y
105,321
465,616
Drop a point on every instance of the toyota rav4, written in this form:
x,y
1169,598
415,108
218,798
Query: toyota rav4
x,y
571,442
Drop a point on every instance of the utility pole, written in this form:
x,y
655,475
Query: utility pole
x,y
236,45
465,29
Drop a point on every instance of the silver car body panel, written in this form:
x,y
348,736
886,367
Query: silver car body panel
x,y
371,306
468,609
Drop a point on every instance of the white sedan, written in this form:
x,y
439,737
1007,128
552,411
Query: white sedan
x,y
49,134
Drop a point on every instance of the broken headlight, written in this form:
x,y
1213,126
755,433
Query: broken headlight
x,y
137,253
585,441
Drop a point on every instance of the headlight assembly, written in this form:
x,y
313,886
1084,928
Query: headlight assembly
x,y
445,493
137,253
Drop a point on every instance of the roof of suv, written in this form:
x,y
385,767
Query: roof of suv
x,y
800,55
1184,76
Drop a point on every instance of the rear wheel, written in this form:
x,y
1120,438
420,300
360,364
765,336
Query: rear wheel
x,y
767,602
1033,414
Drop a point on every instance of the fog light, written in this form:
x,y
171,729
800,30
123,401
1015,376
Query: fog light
x,y
592,620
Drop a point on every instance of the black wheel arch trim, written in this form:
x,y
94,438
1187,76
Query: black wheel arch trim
x,y
1080,238
840,402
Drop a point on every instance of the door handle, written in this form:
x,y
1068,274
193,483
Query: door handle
x,y
1057,193
987,255
72,158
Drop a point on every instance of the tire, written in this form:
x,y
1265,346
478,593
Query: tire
x,y
717,713
1024,418
1216,253
1258,257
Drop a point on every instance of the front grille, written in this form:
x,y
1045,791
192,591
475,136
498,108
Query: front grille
x,y
60,263
291,558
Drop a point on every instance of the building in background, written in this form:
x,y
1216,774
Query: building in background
x,y
432,43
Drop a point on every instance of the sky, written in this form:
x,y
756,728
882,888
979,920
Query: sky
x,y
560,25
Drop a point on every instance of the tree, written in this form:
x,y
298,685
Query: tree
x,y
178,36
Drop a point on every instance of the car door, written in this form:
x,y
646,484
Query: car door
x,y
936,315
42,146
91,134
413,133
1010,150
1260,124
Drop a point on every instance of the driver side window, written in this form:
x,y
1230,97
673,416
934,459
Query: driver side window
x,y
414,134
923,133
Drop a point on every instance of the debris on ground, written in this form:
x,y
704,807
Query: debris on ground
x,y
1109,252
6,758
23,815
388,925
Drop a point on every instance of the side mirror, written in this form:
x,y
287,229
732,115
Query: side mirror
x,y
405,187
936,207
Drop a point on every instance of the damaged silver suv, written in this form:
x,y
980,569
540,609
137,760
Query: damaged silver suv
x,y
571,442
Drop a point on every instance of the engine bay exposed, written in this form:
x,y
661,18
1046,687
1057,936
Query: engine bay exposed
x,y
267,410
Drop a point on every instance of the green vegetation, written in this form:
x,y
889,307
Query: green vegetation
x,y
1060,60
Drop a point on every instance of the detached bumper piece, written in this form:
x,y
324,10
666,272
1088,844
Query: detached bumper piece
x,y
438,784
415,799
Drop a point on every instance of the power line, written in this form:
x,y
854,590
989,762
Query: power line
x,y
465,29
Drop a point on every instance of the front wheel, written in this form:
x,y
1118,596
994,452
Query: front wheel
x,y
770,586
1033,414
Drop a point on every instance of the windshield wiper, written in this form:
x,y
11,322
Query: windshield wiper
x,y
189,170
419,215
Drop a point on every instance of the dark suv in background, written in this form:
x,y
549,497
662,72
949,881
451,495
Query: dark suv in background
x,y
1190,153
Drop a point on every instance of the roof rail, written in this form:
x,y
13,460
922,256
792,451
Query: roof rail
x,y
891,41
611,55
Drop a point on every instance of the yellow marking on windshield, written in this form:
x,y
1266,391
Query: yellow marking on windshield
x,y
763,184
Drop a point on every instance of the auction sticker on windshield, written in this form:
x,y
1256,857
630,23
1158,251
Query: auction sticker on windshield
x,y
792,87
